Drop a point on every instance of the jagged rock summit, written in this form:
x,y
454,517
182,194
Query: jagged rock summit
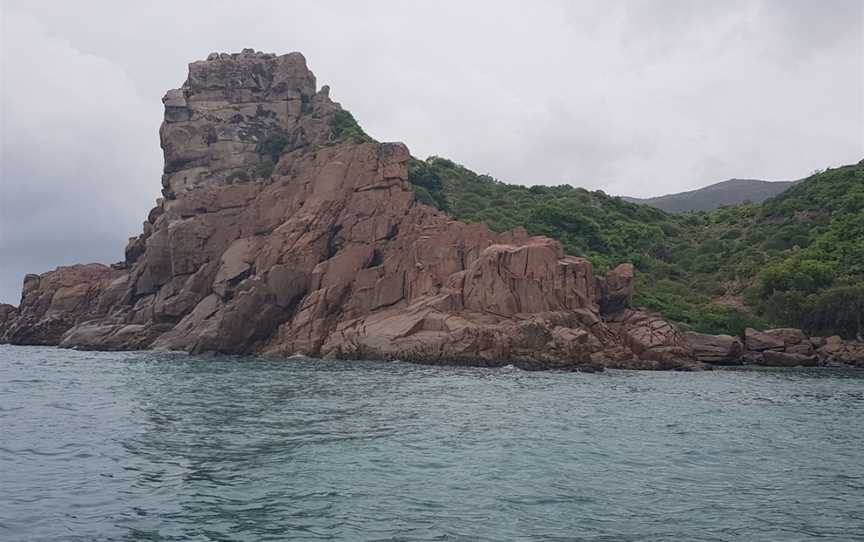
x,y
232,105
284,229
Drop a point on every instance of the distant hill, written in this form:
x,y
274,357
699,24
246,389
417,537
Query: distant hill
x,y
731,192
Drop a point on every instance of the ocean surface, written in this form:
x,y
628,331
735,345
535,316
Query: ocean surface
x,y
152,446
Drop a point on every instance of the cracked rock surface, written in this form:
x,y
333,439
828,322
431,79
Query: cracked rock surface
x,y
326,252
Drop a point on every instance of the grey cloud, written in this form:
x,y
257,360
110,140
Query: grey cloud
x,y
637,98
78,155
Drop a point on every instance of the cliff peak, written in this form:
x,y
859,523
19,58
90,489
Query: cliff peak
x,y
235,114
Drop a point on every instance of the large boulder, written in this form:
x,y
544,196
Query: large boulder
x,y
532,277
759,341
55,301
772,358
616,289
834,350
750,357
716,349
804,348
8,313
653,339
788,335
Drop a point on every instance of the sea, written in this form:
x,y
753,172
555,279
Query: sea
x,y
144,446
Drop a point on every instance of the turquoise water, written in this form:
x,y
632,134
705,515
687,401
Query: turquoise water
x,y
147,446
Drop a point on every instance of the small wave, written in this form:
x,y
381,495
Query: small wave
x,y
145,447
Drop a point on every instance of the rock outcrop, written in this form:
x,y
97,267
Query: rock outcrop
x,y
834,350
277,235
235,112
716,349
7,314
759,341
53,302
773,358
780,347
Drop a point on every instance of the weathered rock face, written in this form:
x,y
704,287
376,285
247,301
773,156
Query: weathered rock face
x,y
781,347
7,314
53,302
219,124
834,350
716,349
330,255
759,341
616,289
773,358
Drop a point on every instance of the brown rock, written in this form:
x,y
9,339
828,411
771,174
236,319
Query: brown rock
x,y
805,349
530,278
330,255
759,341
231,105
773,358
8,313
837,351
654,339
716,349
748,357
832,344
789,336
616,289
55,301
817,342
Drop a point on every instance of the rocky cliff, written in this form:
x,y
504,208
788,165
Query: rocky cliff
x,y
780,347
279,235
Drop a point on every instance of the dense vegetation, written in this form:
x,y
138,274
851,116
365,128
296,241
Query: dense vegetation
x,y
796,260
606,229
345,128
814,237
269,148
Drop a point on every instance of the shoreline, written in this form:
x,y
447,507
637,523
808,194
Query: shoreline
x,y
478,364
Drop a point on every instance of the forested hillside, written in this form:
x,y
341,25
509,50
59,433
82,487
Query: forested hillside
x,y
796,259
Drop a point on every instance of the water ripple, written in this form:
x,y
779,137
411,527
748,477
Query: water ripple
x,y
166,447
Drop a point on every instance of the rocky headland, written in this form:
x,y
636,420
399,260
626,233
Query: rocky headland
x,y
283,231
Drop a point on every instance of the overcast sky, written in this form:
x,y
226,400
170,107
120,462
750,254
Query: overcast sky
x,y
634,98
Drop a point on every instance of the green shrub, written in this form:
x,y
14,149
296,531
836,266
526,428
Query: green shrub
x,y
272,146
806,276
425,178
724,319
264,168
423,196
837,310
344,128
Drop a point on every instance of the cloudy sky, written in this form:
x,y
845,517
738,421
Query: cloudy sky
x,y
637,98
